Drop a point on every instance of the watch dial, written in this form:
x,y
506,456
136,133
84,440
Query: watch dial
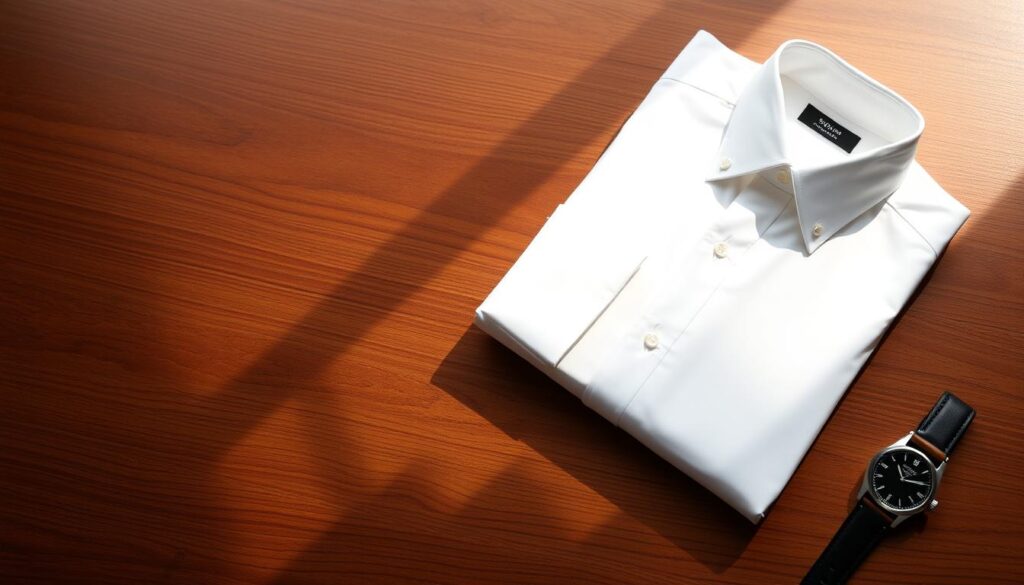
x,y
903,479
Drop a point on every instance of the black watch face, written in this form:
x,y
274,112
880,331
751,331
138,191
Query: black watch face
x,y
902,478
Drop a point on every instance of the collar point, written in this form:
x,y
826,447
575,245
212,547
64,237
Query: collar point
x,y
812,243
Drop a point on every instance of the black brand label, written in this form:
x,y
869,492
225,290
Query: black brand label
x,y
829,128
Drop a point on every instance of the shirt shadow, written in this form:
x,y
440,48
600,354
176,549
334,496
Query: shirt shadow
x,y
531,408
468,541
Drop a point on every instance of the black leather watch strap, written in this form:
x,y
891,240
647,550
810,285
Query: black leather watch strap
x,y
942,428
857,537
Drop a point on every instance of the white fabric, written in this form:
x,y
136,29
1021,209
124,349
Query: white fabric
x,y
723,272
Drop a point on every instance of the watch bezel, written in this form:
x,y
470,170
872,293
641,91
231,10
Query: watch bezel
x,y
874,495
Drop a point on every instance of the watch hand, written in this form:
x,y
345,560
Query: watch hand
x,y
915,481
900,469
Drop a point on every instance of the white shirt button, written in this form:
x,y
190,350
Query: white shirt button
x,y
651,341
817,230
724,164
721,250
782,176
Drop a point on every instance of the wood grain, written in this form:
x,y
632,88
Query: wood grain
x,y
241,244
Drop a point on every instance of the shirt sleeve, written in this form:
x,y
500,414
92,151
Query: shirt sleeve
x,y
561,283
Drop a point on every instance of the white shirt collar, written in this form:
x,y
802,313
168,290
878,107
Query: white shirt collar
x,y
828,195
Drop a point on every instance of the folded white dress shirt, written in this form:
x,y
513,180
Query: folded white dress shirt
x,y
723,272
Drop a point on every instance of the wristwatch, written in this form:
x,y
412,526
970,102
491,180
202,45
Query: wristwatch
x,y
900,482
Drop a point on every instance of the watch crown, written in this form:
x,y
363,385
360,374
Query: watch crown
x,y
933,505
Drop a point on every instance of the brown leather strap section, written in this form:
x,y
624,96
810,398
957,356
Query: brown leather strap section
x,y
871,505
924,445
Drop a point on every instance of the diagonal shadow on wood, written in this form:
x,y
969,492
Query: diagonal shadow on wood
x,y
677,508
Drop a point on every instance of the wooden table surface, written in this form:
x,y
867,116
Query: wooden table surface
x,y
241,246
